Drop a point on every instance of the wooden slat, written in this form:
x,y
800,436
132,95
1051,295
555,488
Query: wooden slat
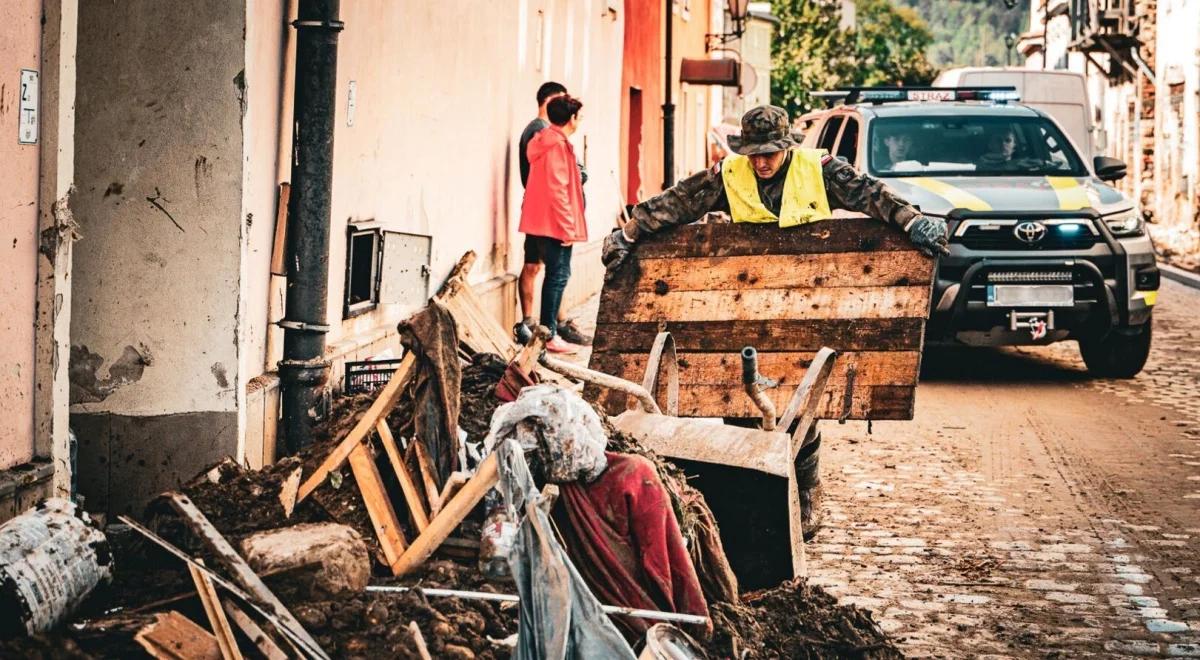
x,y
263,642
412,496
756,304
383,404
784,271
707,442
710,385
379,506
902,334
216,615
724,240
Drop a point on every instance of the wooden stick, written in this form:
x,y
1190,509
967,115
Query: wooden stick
x,y
253,632
240,571
419,640
278,250
449,517
426,468
173,636
415,506
216,615
379,505
383,404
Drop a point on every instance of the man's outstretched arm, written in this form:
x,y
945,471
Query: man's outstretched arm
x,y
855,191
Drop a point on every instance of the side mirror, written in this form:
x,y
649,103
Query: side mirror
x,y
1109,169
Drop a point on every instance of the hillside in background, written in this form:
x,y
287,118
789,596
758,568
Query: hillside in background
x,y
970,32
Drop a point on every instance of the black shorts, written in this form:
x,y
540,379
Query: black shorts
x,y
535,246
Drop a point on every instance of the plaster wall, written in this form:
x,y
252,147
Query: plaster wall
x,y
20,44
1178,111
155,365
442,92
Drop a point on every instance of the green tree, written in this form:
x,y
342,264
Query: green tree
x,y
812,52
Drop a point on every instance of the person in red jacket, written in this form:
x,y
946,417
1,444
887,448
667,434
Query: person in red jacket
x,y
552,211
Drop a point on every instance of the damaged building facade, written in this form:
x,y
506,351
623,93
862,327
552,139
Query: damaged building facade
x,y
179,152
1142,63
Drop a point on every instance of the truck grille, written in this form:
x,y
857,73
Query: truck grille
x,y
1000,235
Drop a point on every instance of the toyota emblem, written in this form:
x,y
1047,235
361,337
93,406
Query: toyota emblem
x,y
1030,233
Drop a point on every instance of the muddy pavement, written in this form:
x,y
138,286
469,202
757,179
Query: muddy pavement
x,y
1029,510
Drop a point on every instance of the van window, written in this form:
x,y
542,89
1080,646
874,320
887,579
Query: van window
x,y
829,133
848,146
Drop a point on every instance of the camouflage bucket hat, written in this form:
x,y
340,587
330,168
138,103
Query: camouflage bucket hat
x,y
765,130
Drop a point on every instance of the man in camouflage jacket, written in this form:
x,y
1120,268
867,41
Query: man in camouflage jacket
x,y
767,145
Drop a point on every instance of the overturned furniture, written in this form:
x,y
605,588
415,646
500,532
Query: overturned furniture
x,y
833,311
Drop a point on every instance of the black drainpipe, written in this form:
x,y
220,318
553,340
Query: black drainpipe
x,y
304,371
668,107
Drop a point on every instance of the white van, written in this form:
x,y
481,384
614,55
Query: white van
x,y
1060,94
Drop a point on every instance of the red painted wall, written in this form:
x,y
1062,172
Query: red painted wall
x,y
642,68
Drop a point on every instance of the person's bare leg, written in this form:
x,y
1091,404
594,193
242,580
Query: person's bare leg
x,y
525,286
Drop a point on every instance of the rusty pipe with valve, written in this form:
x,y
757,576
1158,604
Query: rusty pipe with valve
x,y
756,385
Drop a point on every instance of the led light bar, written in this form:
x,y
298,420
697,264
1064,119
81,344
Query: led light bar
x,y
892,94
1010,276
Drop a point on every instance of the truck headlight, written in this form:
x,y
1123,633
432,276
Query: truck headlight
x,y
1125,224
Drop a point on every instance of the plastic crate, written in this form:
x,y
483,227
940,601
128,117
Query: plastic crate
x,y
369,375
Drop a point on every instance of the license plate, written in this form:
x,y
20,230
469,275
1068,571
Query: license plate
x,y
1030,295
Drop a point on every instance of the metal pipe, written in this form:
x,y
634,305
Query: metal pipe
x,y
304,371
603,380
653,615
756,385
668,107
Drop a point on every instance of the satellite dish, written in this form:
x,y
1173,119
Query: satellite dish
x,y
749,79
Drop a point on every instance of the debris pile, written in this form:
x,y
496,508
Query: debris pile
x,y
274,562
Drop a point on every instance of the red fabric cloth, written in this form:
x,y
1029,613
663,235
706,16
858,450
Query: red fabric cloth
x,y
622,536
553,203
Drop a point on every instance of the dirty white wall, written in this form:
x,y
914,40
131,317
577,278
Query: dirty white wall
x,y
443,91
20,42
155,337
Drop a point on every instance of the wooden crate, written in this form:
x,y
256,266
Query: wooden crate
x,y
852,284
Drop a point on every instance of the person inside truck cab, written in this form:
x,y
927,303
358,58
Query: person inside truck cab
x,y
773,180
897,148
1001,148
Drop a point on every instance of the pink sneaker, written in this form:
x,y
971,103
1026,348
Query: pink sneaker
x,y
558,345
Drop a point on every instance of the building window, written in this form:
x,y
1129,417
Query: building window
x,y
364,255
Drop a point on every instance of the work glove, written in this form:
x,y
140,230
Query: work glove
x,y
616,251
929,235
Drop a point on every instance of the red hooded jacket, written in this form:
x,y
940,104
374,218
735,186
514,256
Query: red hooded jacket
x,y
553,204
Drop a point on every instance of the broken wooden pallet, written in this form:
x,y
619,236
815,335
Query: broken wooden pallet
x,y
851,284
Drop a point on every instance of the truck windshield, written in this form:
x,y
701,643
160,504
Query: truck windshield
x,y
971,145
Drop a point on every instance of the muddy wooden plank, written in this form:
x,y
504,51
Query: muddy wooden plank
x,y
379,506
216,615
707,441
893,402
412,496
755,304
902,334
855,269
720,240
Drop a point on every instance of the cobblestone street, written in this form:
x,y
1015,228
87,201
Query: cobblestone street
x,y
1028,510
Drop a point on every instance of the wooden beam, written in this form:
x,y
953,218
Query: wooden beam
x,y
379,506
216,615
444,523
783,271
704,441
412,496
237,568
383,404
741,239
279,247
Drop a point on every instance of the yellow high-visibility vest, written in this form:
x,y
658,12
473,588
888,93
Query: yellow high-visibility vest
x,y
804,197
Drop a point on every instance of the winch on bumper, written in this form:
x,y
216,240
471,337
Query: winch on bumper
x,y
1039,277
